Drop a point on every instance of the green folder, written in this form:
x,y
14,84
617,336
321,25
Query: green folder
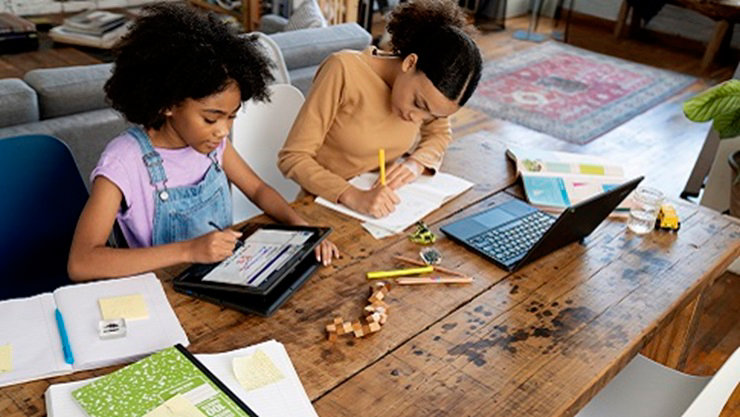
x,y
141,387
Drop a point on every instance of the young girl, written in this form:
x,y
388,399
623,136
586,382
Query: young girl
x,y
182,77
363,101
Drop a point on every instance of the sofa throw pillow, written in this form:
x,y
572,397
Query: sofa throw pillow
x,y
307,15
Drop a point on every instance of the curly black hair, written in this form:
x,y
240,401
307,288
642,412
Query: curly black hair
x,y
438,33
173,53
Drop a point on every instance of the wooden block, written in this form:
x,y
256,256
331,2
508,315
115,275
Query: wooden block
x,y
374,327
377,296
346,327
365,330
338,321
357,328
378,304
369,309
373,318
331,328
332,336
383,318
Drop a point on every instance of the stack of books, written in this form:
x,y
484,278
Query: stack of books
x,y
17,34
94,28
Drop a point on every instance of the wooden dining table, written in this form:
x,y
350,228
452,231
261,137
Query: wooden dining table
x,y
541,341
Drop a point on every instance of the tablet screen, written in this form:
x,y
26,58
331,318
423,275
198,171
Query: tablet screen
x,y
263,252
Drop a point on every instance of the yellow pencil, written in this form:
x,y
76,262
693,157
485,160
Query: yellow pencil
x,y
434,280
381,163
399,272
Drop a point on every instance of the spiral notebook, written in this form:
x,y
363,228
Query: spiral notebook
x,y
30,336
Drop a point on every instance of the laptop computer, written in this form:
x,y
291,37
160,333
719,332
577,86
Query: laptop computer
x,y
270,263
514,233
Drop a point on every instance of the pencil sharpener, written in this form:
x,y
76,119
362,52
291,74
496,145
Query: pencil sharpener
x,y
430,256
112,329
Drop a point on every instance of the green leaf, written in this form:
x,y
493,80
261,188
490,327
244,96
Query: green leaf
x,y
728,124
720,99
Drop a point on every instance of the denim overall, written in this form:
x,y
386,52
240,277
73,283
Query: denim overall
x,y
183,213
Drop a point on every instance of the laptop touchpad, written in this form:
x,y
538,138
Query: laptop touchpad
x,y
493,218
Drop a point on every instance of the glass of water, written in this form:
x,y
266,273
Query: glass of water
x,y
647,202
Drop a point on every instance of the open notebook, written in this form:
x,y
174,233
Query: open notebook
x,y
278,396
418,199
28,326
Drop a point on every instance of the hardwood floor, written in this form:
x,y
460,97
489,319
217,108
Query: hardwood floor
x,y
660,143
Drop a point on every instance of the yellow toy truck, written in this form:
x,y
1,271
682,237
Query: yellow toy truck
x,y
667,218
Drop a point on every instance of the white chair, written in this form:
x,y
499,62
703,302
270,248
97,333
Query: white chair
x,y
647,389
258,134
272,50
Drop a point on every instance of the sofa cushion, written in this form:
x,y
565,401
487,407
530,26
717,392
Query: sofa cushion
x,y
86,134
307,15
302,78
18,102
69,90
308,47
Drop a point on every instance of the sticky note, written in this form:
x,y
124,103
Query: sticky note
x,y
177,406
6,358
129,307
256,371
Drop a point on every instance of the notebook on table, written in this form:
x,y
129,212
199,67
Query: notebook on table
x,y
30,335
270,393
419,198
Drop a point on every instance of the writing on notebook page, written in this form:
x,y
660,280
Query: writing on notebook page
x,y
6,358
177,406
256,371
129,307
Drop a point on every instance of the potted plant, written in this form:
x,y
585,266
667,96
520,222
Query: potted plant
x,y
721,104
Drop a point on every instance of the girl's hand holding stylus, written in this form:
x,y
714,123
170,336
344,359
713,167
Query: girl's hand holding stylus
x,y
377,202
213,247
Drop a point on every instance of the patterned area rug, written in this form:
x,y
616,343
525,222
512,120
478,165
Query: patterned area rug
x,y
570,93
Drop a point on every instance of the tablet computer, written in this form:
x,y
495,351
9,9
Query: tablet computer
x,y
265,255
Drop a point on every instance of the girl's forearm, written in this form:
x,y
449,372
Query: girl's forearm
x,y
105,262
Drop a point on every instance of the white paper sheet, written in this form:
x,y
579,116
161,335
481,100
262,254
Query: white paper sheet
x,y
418,199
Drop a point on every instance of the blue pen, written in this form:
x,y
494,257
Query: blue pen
x,y
66,348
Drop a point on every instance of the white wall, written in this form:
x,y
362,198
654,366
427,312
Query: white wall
x,y
671,19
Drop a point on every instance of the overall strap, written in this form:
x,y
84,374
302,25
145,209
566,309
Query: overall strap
x,y
152,161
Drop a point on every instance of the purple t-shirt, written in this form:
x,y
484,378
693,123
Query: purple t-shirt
x,y
122,164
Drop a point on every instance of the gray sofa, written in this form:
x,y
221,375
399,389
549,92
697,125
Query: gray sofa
x,y
69,102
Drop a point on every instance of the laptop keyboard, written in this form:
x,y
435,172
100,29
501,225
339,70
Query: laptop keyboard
x,y
514,239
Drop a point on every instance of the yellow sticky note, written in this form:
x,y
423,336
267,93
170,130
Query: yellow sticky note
x,y
256,371
177,406
129,307
6,358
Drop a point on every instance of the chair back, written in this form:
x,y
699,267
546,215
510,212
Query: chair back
x,y
272,50
259,131
713,398
42,196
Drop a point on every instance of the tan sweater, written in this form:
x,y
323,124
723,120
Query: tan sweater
x,y
346,118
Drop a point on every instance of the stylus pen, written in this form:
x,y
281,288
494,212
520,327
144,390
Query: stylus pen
x,y
239,243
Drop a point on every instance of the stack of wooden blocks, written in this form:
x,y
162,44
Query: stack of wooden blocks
x,y
375,315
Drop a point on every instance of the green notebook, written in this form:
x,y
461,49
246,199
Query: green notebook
x,y
141,387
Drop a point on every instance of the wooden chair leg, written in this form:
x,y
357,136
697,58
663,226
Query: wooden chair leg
x,y
720,29
624,11
635,22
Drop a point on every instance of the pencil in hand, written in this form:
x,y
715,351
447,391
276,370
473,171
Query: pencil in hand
x,y
381,165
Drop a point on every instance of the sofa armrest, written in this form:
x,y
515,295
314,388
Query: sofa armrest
x,y
272,23
308,47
